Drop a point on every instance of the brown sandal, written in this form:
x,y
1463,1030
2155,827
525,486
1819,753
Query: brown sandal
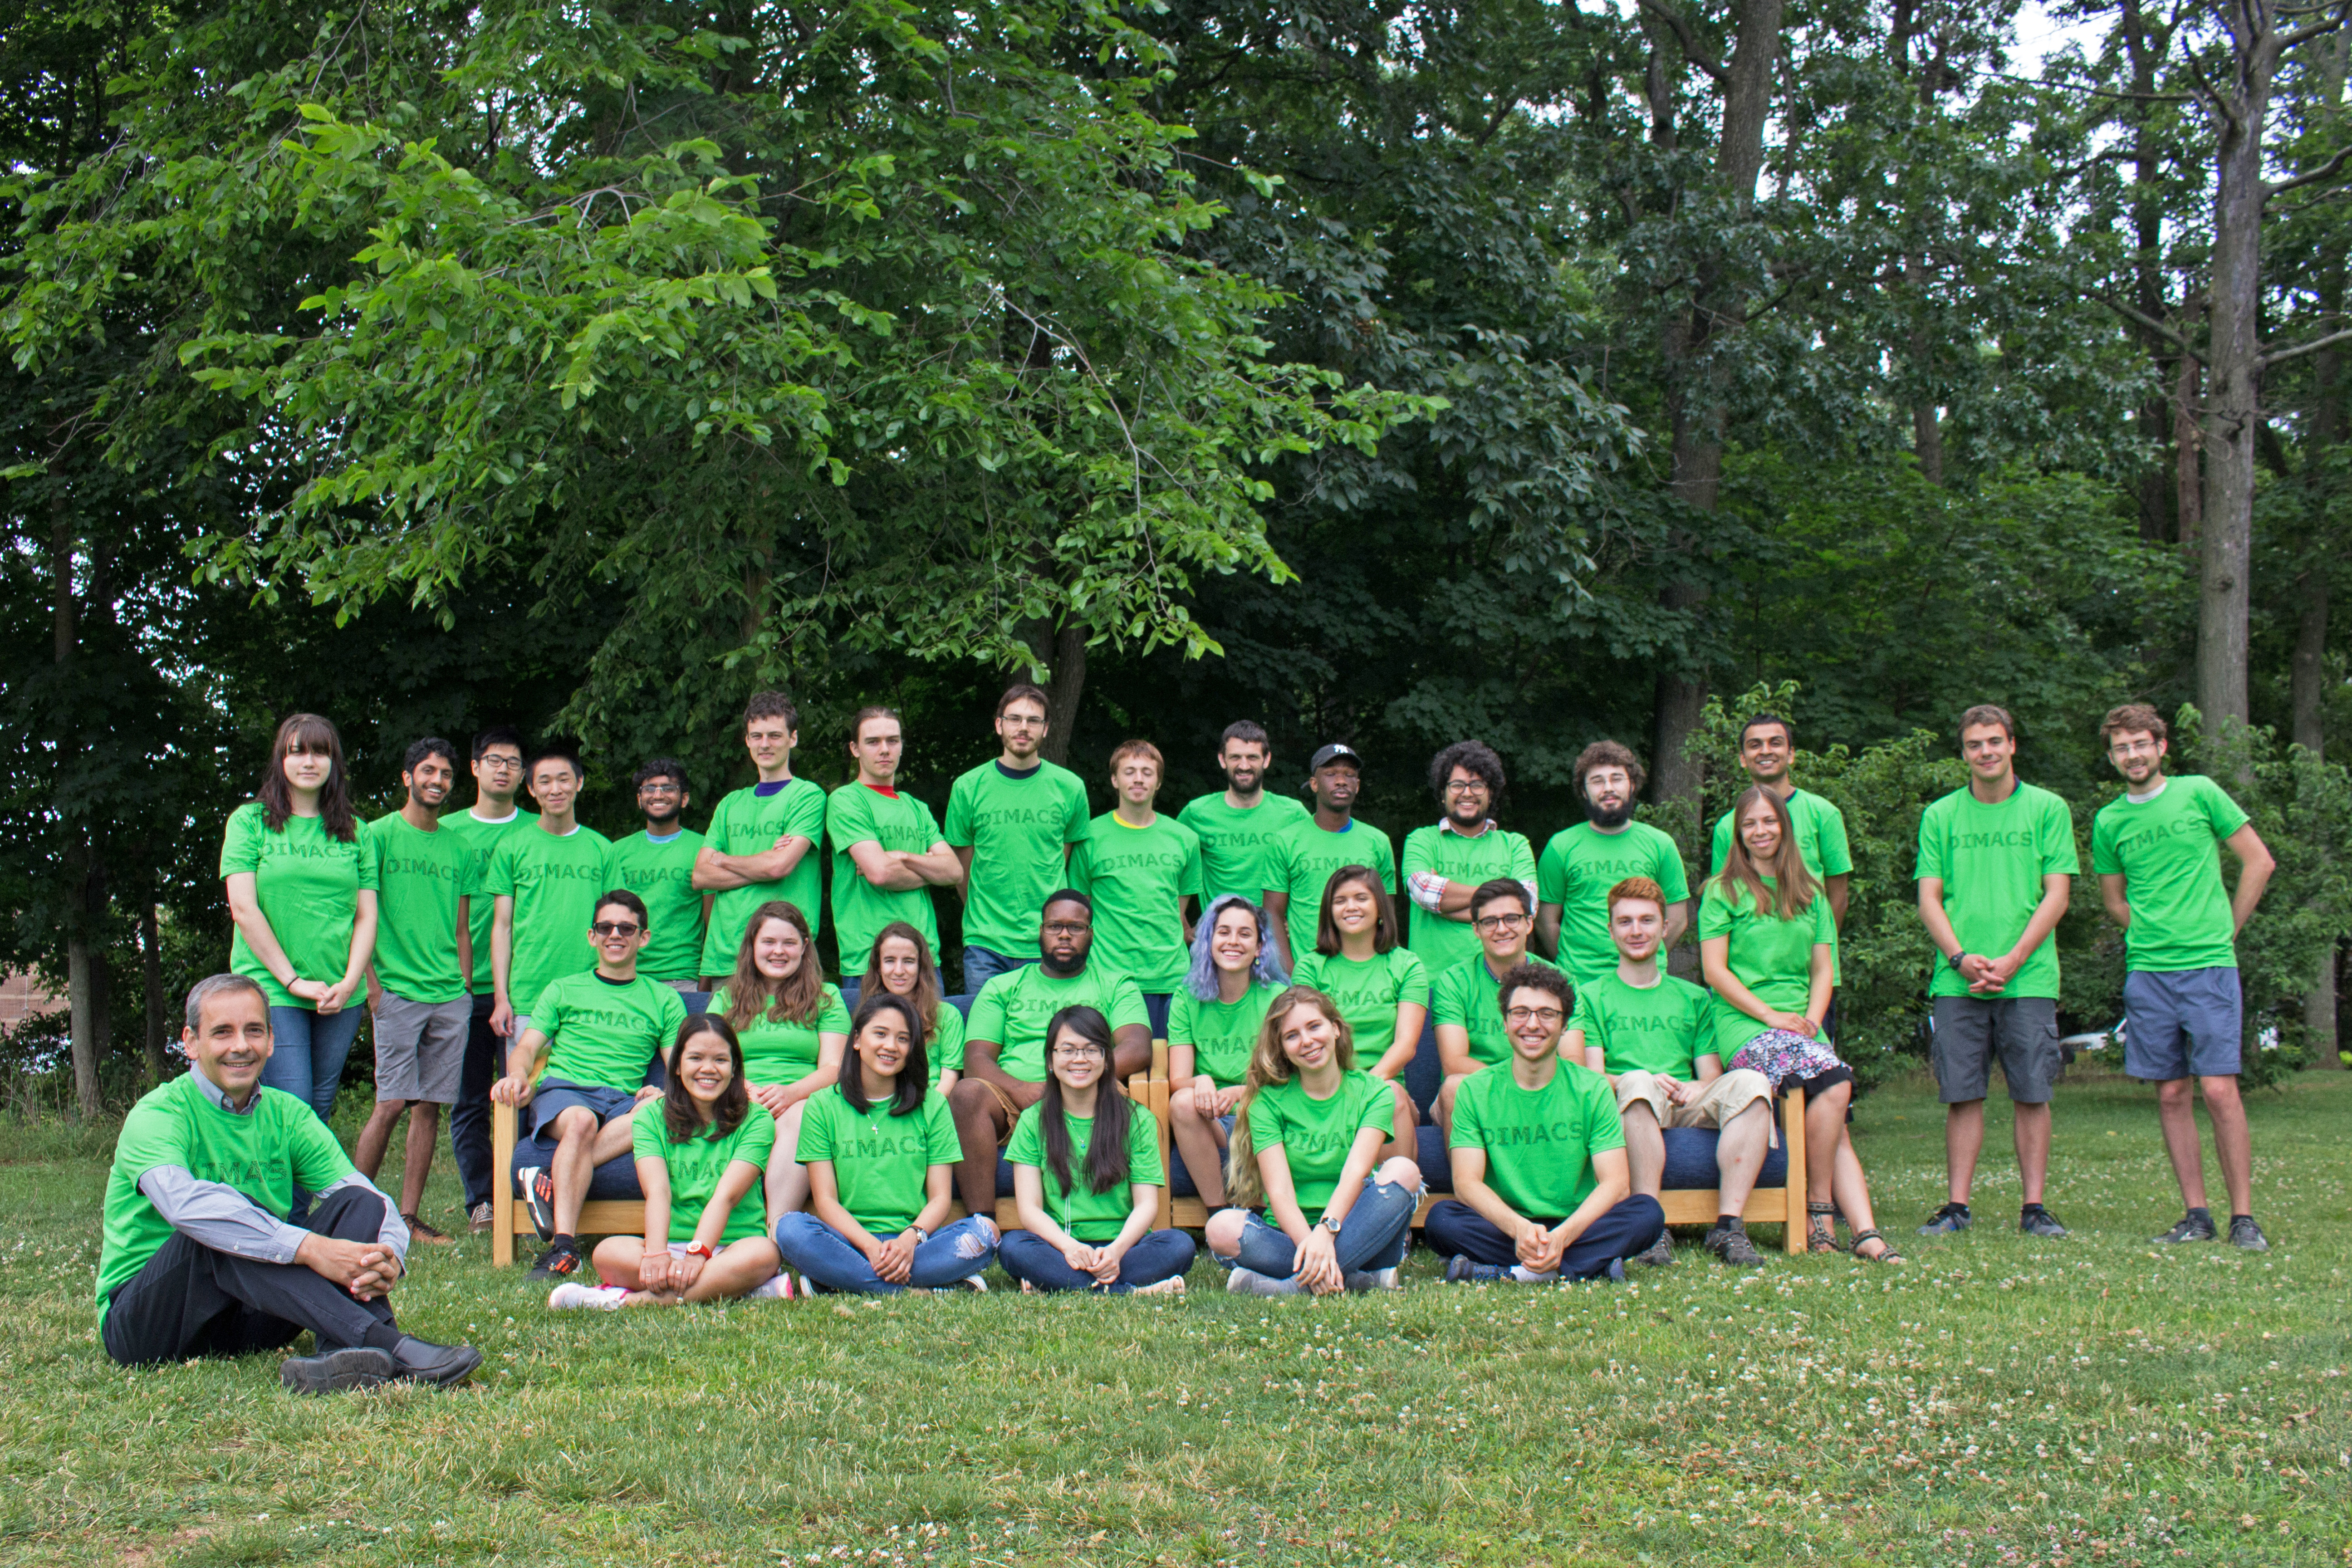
x,y
1886,1253
1821,1229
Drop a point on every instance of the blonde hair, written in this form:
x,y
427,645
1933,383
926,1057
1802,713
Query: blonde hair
x,y
1792,887
1268,1067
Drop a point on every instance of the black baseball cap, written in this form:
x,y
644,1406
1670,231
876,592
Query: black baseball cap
x,y
1335,753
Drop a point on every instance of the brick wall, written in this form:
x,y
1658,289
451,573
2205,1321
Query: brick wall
x,y
21,997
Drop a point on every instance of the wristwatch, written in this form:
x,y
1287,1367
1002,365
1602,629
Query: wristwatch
x,y
698,1250
921,1236
1329,1223
1955,961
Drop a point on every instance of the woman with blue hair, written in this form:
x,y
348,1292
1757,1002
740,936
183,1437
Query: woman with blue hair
x,y
1212,1026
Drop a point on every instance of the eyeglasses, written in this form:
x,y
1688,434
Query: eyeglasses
x,y
1068,928
614,928
1499,923
1546,1016
661,789
2134,749
1465,786
1074,1053
498,764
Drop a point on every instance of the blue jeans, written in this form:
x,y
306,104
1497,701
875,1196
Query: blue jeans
x,y
955,1252
470,1118
1454,1228
1375,1234
1155,1012
1156,1255
307,1052
981,965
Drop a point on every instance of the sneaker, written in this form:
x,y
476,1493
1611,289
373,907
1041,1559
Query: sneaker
x,y
1951,1218
481,1219
334,1372
1659,1252
421,1361
973,1283
1617,1269
779,1288
1460,1270
424,1231
2193,1227
1250,1282
1734,1247
573,1295
2035,1220
556,1262
539,1197
2244,1232
1371,1279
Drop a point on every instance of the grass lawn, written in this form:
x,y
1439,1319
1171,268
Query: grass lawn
x,y
2096,1400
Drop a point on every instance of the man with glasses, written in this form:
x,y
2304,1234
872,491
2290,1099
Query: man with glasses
x,y
598,1031
2161,880
479,830
657,865
1446,862
1470,1033
1004,1043
1012,823
1541,1189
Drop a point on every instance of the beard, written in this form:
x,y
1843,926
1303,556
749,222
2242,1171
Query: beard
x,y
1608,816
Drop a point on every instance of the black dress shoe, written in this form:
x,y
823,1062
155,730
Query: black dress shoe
x,y
421,1361
333,1371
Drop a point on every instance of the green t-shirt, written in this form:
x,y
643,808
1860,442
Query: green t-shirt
x,y
1821,836
554,882
1138,879
480,840
860,814
945,1045
663,875
308,888
1470,995
879,1161
1539,1143
419,877
697,1164
1016,826
1441,943
779,1050
1368,994
1222,1033
1233,843
2165,850
1079,1209
750,823
1300,860
1013,1008
601,1034
1315,1135
1770,956
1663,1028
275,1146
1992,859
1576,871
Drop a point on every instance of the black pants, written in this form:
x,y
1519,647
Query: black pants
x,y
470,1118
1454,1226
193,1301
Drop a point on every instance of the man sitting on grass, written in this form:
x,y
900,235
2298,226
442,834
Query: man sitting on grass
x,y
200,1257
1538,1156
597,1030
1643,1030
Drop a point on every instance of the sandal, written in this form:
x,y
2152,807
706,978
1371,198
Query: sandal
x,y
1886,1253
1821,1231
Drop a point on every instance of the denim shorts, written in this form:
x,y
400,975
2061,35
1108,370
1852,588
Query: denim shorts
x,y
2185,1023
557,1095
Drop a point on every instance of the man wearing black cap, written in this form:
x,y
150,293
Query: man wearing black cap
x,y
1300,860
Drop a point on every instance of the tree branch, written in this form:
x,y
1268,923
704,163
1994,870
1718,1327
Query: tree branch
x,y
2280,356
2150,322
1693,50
2310,176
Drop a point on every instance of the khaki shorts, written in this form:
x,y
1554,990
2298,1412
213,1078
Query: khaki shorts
x,y
1717,1100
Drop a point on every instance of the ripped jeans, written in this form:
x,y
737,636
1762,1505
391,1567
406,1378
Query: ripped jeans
x,y
954,1252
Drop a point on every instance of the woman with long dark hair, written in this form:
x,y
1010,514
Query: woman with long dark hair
x,y
699,1151
1086,1178
301,890
880,1150
794,1028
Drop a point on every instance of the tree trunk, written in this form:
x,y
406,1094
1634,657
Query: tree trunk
x,y
2145,43
150,965
1698,394
1069,683
2188,444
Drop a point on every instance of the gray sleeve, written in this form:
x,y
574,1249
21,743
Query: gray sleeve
x,y
214,1215
393,1232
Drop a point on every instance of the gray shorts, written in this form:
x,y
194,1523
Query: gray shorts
x,y
420,1049
1970,1031
2185,1023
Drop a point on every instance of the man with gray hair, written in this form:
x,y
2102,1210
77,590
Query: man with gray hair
x,y
201,1255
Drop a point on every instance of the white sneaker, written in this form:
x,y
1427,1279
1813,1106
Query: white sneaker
x,y
777,1289
973,1283
1249,1282
1373,1280
573,1294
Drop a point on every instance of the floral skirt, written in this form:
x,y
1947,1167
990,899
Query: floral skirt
x,y
1790,1061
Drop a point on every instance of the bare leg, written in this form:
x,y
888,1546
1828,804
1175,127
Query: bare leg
x,y
2031,1132
424,1131
979,1129
1200,1142
1963,1141
616,1259
376,1139
2176,1112
1407,1143
1223,1233
785,1184
1645,1148
2233,1145
1738,1155
580,1147
1442,1108
1825,1130
741,1265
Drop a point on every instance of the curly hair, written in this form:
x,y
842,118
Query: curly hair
x,y
1476,757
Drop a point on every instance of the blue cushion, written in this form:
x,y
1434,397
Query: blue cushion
x,y
1423,1074
1690,1161
1180,1180
962,1004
